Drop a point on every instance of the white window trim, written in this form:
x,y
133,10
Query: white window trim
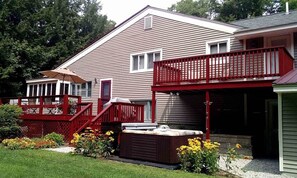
x,y
144,22
111,86
208,43
145,60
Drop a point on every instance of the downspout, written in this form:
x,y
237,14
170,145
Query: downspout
x,y
207,114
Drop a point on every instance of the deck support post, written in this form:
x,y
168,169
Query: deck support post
x,y
207,114
153,106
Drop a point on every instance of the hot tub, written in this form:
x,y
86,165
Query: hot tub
x,y
158,145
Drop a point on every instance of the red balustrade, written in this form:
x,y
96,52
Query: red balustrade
x,y
119,112
257,63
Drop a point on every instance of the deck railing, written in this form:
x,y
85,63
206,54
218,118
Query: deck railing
x,y
119,112
258,63
43,105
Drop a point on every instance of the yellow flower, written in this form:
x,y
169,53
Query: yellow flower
x,y
238,146
111,139
108,133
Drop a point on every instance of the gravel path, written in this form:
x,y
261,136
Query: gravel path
x,y
62,149
262,168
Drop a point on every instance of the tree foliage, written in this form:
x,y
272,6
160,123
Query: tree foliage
x,y
230,10
241,9
39,34
199,8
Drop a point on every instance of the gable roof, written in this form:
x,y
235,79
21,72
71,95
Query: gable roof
x,y
148,10
279,20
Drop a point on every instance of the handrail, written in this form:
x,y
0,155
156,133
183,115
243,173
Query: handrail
x,y
120,112
101,113
83,116
254,63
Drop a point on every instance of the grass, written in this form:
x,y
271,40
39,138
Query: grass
x,y
41,163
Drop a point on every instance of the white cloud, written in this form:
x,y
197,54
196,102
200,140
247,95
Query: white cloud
x,y
120,10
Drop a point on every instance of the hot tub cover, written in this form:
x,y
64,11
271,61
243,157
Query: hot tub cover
x,y
165,132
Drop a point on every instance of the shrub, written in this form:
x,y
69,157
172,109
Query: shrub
x,y
58,138
9,121
44,143
199,156
93,144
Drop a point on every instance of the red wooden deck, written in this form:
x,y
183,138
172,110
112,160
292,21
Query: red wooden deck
x,y
66,114
237,69
256,68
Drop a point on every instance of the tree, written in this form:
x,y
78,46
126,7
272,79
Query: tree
x,y
241,9
199,8
39,34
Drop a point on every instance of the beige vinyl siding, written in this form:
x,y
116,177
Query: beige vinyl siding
x,y
112,59
289,130
172,109
235,44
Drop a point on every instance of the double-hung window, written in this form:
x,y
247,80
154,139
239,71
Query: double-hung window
x,y
144,61
83,90
218,48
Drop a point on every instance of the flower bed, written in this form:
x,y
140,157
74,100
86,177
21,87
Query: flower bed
x,y
93,144
52,140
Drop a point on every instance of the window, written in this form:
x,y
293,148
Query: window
x,y
138,62
151,58
214,47
254,43
218,48
144,61
84,90
62,90
148,22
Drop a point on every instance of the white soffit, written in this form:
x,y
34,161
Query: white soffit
x,y
168,15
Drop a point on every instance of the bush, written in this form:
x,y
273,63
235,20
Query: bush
x,y
199,156
58,138
9,121
44,143
92,144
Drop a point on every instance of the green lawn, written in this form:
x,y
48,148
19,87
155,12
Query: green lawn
x,y
41,163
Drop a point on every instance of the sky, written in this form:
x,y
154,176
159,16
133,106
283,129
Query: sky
x,y
120,10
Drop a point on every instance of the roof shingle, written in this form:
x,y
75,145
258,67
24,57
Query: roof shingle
x,y
275,20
